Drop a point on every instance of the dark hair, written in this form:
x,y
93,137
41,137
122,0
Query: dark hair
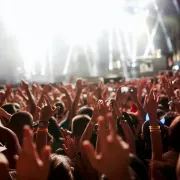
x,y
60,168
61,108
138,166
169,117
174,134
163,101
18,121
53,128
160,113
10,108
86,111
79,124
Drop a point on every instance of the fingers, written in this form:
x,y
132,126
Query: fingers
x,y
102,132
45,157
112,125
47,101
89,150
28,146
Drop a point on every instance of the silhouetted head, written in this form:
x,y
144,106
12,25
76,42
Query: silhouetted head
x,y
61,109
86,111
60,168
174,134
18,121
79,124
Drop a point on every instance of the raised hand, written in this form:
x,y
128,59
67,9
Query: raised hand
x,y
95,115
31,100
79,84
114,154
61,88
29,165
115,110
69,144
46,88
121,98
25,84
152,105
7,94
103,108
133,94
47,111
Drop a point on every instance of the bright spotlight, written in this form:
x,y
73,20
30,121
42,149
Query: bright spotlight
x,y
175,68
133,65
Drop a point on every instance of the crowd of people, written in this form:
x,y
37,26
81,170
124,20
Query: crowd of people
x,y
115,131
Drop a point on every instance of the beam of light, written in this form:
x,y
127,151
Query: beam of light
x,y
110,49
95,58
176,6
134,48
87,59
122,57
127,44
34,22
50,62
151,38
66,67
168,40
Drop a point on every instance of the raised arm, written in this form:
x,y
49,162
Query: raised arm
x,y
31,100
89,129
69,100
156,141
134,98
129,136
113,157
29,164
44,92
46,113
79,87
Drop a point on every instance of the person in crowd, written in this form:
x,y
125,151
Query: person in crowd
x,y
90,133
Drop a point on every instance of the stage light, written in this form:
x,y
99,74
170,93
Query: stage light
x,y
175,68
133,65
36,22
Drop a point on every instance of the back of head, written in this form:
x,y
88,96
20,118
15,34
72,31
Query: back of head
x,y
86,111
79,124
61,109
18,121
164,103
60,168
174,134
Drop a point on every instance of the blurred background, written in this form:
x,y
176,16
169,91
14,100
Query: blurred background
x,y
58,40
